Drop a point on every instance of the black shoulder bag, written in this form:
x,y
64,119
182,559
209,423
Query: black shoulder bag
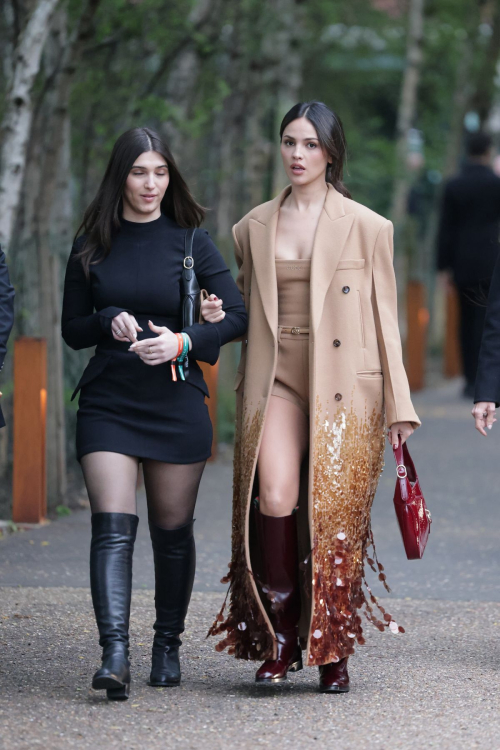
x,y
190,290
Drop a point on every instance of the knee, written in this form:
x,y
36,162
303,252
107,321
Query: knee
x,y
277,501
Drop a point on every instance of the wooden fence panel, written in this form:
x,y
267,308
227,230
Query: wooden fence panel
x,y
30,405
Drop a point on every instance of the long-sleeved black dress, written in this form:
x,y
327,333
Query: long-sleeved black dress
x,y
125,405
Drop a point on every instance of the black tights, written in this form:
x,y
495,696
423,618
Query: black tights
x,y
171,489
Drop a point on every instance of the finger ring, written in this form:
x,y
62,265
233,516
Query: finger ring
x,y
119,330
149,350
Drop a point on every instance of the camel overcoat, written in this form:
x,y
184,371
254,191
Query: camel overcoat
x,y
357,385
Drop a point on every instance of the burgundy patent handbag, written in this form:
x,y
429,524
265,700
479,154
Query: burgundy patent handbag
x,y
413,515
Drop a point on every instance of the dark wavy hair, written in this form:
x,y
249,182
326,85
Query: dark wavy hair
x,y
102,218
331,137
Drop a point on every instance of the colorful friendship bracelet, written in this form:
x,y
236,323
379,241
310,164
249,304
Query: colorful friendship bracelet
x,y
180,343
180,346
181,358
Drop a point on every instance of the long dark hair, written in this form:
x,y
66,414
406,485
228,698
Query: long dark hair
x,y
102,217
331,137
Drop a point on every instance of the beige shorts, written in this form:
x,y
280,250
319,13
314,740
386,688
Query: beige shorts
x,y
292,371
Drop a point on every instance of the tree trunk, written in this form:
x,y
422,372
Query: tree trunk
x,y
407,109
53,243
245,132
45,226
485,85
16,125
460,104
472,92
262,87
53,231
464,89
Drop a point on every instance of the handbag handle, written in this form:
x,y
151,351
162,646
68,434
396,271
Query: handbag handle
x,y
191,304
405,468
188,255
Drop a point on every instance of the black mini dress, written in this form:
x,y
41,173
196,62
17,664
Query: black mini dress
x,y
125,405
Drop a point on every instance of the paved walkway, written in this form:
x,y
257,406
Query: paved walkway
x,y
435,686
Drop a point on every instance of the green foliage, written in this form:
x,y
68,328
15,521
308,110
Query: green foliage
x,y
62,511
353,56
155,63
7,388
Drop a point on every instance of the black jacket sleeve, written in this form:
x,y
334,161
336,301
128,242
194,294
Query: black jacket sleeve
x,y
6,307
488,371
214,276
82,327
446,233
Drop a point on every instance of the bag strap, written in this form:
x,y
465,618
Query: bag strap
x,y
188,254
404,462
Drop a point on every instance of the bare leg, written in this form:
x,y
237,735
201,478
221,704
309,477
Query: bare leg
x,y
111,481
284,445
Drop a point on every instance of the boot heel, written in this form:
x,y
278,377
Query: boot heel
x,y
118,694
296,666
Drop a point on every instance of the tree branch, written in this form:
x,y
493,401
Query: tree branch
x,y
199,17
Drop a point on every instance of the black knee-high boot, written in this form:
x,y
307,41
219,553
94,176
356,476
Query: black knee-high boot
x,y
175,562
111,550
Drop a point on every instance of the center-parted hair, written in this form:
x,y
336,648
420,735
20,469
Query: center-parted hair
x,y
102,217
330,134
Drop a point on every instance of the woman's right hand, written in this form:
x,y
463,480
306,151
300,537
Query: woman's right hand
x,y
484,414
211,309
124,327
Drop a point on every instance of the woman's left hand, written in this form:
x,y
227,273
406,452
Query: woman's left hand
x,y
163,348
399,428
211,309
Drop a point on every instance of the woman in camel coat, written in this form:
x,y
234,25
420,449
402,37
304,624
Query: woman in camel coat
x,y
356,385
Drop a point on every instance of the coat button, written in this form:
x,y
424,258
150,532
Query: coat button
x,y
346,289
338,397
336,342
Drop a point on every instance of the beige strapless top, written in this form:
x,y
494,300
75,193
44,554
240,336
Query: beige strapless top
x,y
293,277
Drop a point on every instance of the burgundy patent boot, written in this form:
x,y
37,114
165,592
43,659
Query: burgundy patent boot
x,y
333,678
279,580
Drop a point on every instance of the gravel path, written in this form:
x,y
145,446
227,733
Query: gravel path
x,y
434,687
437,686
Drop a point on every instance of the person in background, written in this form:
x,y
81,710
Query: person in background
x,y
6,315
487,388
468,244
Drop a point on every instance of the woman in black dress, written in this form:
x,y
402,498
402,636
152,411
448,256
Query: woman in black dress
x,y
122,294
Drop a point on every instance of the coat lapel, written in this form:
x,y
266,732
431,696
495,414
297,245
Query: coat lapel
x,y
331,235
262,230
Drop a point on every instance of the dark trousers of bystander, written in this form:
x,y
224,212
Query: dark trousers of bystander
x,y
472,314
